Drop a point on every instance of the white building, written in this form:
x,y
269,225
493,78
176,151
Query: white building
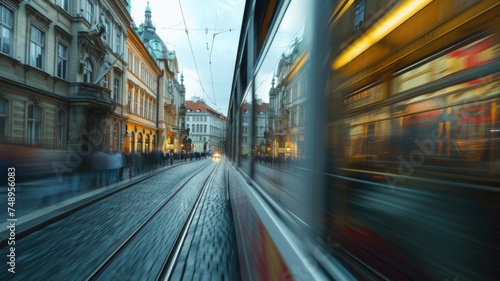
x,y
207,126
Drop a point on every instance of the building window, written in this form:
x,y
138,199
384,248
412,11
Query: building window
x,y
136,104
146,144
64,4
89,11
116,89
142,106
129,104
155,105
88,75
6,26
60,130
118,43
153,143
37,39
62,61
359,14
150,110
106,34
4,114
34,120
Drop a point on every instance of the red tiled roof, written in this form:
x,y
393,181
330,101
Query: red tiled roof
x,y
264,107
202,106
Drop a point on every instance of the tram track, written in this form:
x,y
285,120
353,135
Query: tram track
x,y
97,273
168,267
62,212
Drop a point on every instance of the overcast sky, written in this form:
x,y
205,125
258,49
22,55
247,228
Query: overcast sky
x,y
203,19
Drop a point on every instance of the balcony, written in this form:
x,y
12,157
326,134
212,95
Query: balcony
x,y
92,95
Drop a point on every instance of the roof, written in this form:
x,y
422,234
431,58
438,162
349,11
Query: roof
x,y
263,107
203,107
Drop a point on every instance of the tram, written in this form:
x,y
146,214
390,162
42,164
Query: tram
x,y
364,140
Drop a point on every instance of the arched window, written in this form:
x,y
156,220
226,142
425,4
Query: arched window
x,y
153,143
4,115
146,143
60,119
88,73
139,143
204,128
34,124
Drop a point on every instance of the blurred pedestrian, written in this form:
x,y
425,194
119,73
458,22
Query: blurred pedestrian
x,y
123,166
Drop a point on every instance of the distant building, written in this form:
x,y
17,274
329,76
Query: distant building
x,y
262,118
207,126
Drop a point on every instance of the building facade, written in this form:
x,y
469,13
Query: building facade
x,y
287,101
144,94
262,142
169,111
206,126
51,95
80,75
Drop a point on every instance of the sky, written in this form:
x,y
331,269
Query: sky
x,y
214,29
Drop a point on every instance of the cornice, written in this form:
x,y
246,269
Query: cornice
x,y
12,3
63,33
37,16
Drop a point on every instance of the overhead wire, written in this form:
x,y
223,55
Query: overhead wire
x,y
192,53
210,58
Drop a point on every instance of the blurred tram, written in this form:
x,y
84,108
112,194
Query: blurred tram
x,y
377,156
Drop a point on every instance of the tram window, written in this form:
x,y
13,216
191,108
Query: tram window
x,y
281,95
246,146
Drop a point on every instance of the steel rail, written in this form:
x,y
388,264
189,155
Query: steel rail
x,y
168,267
102,267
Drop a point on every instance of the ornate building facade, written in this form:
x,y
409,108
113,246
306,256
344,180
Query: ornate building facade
x,y
287,101
169,110
79,75
52,56
261,143
207,126
144,94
